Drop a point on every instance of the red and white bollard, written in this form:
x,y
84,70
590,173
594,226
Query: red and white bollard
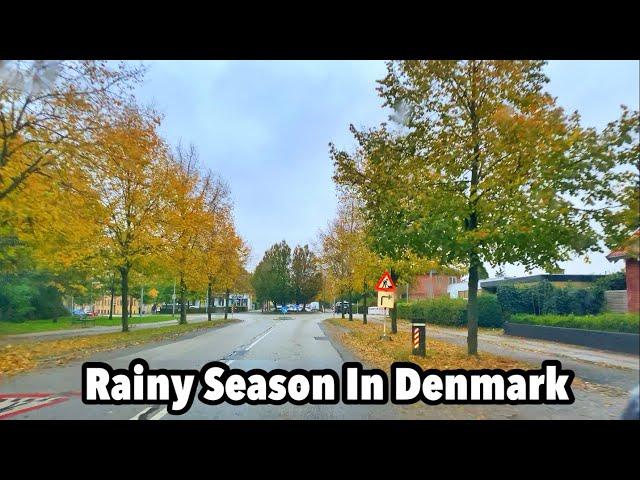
x,y
418,338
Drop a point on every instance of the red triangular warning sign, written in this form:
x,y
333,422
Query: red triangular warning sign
x,y
385,284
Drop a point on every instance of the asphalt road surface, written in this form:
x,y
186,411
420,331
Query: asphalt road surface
x,y
258,341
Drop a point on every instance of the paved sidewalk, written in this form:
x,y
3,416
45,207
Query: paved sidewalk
x,y
618,370
81,332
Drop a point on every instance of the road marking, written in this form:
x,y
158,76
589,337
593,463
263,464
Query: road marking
x,y
160,414
260,338
144,414
12,404
137,416
242,349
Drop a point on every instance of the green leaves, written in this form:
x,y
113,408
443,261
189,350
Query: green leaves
x,y
483,141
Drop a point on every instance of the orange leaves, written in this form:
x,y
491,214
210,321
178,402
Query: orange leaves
x,y
22,357
364,341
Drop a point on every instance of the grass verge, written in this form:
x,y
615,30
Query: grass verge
x,y
609,321
26,356
64,323
364,342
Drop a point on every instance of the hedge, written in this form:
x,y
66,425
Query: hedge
x,y
543,298
613,322
453,311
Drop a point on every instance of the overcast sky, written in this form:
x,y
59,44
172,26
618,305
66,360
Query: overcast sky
x,y
266,125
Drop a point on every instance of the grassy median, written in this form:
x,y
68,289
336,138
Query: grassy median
x,y
364,342
24,356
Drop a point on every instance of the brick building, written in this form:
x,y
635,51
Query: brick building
x,y
431,285
630,252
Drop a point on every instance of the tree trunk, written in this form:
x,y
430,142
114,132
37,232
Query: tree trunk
x,y
113,292
226,303
472,224
472,307
364,306
342,307
183,303
350,307
124,279
394,317
209,301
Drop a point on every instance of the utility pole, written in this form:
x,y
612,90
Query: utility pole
x,y
173,314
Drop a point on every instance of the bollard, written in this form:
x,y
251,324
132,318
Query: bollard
x,y
418,337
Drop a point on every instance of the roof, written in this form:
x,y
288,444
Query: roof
x,y
629,249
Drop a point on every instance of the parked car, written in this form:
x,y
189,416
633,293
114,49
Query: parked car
x,y
342,307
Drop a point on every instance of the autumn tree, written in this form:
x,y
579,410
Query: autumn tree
x,y
47,113
617,204
351,266
306,277
133,176
187,214
483,166
219,236
50,113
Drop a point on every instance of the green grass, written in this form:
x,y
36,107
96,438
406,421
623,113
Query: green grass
x,y
64,323
612,322
27,355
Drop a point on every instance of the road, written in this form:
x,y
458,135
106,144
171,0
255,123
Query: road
x,y
266,342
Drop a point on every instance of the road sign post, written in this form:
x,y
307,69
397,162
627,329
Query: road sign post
x,y
418,338
386,297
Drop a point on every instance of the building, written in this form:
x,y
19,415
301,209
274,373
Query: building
x,y
630,253
103,304
238,300
431,285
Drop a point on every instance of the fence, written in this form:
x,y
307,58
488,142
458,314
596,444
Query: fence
x,y
616,301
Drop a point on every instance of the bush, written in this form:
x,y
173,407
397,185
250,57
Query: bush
x,y
489,311
543,298
452,311
613,281
439,311
613,322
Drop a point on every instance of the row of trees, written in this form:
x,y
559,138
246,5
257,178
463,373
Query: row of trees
x,y
352,267
88,184
283,275
479,164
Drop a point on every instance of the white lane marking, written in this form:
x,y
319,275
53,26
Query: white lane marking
x,y
163,412
157,416
137,416
260,338
160,414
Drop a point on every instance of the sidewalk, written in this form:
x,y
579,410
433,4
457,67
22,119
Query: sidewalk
x,y
597,366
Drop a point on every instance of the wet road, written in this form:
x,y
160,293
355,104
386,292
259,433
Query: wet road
x,y
265,342
258,341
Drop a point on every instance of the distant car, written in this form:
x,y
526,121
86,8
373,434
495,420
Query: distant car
x,y
292,307
79,312
342,307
